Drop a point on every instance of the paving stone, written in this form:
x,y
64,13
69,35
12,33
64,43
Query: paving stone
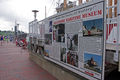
x,y
15,65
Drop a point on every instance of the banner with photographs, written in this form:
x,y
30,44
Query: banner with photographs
x,y
78,40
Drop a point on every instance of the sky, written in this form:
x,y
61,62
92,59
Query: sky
x,y
20,11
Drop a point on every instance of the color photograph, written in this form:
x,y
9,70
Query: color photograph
x,y
72,58
93,27
93,62
46,53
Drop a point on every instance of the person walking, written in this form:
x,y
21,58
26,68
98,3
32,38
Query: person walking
x,y
1,40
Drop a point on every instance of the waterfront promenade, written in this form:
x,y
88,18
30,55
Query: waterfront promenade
x,y
16,65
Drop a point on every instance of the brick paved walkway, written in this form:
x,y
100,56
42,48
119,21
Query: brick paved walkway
x,y
15,65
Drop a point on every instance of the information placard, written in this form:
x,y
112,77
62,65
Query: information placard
x,y
78,40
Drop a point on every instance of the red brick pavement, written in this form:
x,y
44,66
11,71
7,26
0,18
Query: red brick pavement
x,y
15,65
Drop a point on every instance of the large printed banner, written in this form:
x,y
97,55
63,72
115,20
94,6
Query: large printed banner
x,y
77,40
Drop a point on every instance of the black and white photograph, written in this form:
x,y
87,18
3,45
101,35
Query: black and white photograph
x,y
63,54
72,42
48,39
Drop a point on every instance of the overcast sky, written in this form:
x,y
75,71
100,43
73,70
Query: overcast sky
x,y
21,12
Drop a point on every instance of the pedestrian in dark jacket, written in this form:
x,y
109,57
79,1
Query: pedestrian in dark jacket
x,y
1,39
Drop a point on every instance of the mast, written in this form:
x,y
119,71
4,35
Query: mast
x,y
115,9
45,12
110,10
65,4
118,14
87,0
80,2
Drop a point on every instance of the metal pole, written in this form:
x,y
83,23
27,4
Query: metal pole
x,y
115,9
117,44
80,2
118,24
110,9
87,0
45,12
65,4
104,39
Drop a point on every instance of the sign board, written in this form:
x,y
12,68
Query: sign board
x,y
78,37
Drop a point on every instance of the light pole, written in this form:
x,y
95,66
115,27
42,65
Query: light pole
x,y
35,13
